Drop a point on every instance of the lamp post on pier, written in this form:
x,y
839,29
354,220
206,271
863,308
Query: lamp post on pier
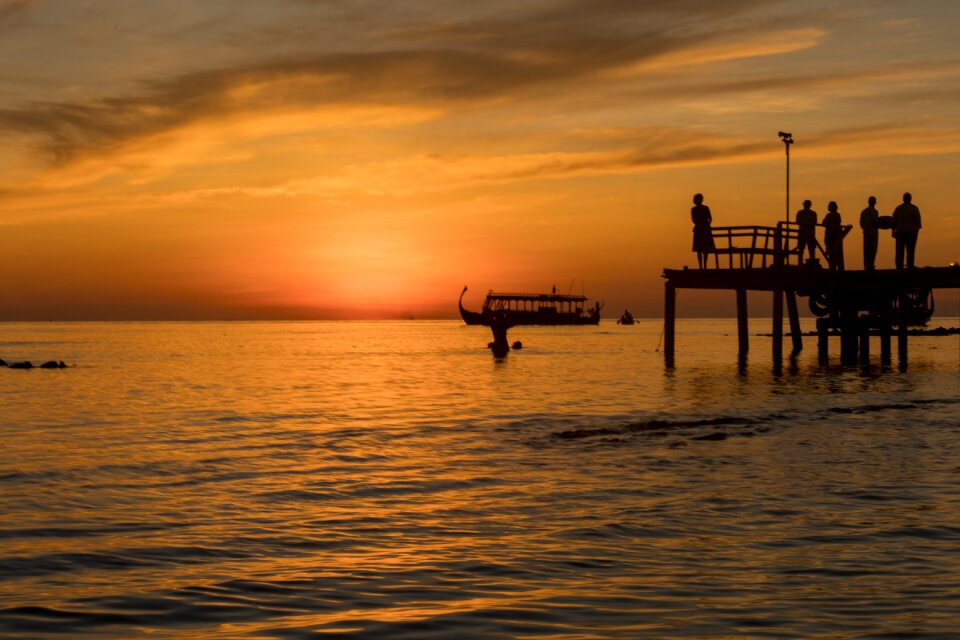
x,y
787,141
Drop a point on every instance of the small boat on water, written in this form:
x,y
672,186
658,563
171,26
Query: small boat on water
x,y
626,318
532,308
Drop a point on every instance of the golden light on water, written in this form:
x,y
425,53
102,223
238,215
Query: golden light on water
x,y
385,478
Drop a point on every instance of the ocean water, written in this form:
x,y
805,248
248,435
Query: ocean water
x,y
394,480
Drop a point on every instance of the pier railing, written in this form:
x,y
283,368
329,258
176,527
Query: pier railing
x,y
755,247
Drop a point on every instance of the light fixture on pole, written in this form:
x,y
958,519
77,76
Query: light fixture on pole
x,y
787,141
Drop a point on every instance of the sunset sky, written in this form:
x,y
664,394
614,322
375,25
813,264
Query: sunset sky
x,y
347,159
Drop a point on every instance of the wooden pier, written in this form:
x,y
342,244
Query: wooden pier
x,y
853,304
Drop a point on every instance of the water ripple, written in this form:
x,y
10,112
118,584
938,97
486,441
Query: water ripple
x,y
392,480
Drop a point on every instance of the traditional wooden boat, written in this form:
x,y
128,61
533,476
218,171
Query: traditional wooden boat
x,y
532,308
626,318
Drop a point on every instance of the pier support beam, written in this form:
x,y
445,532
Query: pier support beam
x,y
863,323
742,337
902,307
823,346
849,333
886,320
777,325
794,316
669,321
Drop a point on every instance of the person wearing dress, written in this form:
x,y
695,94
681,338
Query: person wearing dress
x,y
702,233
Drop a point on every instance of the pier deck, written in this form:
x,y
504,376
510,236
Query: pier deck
x,y
803,278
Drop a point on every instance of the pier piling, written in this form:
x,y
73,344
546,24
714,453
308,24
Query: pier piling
x,y
823,347
864,322
902,328
886,318
669,321
777,325
849,333
795,335
743,339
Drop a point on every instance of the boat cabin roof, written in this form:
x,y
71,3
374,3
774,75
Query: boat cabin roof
x,y
536,297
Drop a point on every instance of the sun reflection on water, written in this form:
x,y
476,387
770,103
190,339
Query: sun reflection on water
x,y
391,479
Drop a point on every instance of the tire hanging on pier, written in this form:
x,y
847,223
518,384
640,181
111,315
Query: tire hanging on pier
x,y
819,303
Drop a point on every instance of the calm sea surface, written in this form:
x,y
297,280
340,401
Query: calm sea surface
x,y
394,480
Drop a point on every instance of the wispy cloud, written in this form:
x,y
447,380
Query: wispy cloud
x,y
627,151
12,9
641,52
442,65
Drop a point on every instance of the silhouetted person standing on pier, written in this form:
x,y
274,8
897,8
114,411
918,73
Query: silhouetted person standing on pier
x,y
906,226
869,224
702,233
807,221
833,237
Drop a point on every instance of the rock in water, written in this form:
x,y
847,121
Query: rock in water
x,y
21,365
719,435
53,364
499,326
